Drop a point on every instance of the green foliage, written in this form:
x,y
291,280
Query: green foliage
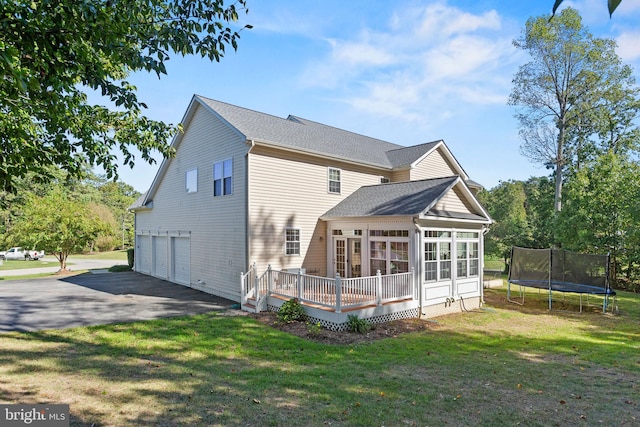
x,y
130,257
575,99
602,213
291,311
119,268
358,325
53,53
314,328
56,224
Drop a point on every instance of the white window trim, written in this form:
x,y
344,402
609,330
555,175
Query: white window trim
x,y
186,181
329,180
222,162
292,241
388,240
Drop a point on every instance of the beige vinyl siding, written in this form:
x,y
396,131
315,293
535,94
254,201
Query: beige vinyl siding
x,y
435,165
401,175
216,225
289,189
454,201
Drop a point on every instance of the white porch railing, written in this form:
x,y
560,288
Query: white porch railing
x,y
332,293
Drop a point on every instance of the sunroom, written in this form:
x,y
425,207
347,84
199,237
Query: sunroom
x,y
393,250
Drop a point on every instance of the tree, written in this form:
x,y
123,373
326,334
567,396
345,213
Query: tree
x,y
611,4
56,224
506,206
566,93
52,53
603,210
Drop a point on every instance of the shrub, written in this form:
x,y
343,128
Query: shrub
x,y
106,243
358,325
314,328
120,267
291,311
130,257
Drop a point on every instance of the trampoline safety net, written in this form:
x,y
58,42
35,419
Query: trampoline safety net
x,y
559,266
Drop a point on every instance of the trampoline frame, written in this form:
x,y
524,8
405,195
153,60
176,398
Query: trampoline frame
x,y
563,287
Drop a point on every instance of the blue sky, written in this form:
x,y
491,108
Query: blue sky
x,y
407,72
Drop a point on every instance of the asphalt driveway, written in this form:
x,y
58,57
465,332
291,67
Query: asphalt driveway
x,y
94,299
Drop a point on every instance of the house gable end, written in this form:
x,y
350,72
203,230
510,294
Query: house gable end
x,y
195,104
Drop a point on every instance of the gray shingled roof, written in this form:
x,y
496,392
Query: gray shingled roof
x,y
394,199
315,138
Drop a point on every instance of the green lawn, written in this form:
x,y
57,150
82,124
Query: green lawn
x,y
504,365
20,265
116,255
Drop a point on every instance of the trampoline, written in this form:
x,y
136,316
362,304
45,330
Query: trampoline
x,y
560,271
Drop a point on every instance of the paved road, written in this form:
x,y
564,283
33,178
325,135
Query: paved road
x,y
93,299
77,264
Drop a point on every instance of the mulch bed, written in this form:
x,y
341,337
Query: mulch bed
x,y
378,331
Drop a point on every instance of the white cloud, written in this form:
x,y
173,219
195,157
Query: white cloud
x,y
423,63
628,46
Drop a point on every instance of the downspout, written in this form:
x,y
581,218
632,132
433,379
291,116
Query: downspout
x,y
420,264
247,225
485,230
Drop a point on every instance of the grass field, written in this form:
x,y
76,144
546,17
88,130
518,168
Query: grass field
x,y
20,265
504,365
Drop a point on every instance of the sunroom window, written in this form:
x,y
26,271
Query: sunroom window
x,y
437,255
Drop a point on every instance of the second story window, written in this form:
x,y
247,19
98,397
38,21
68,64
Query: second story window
x,y
335,180
222,178
191,181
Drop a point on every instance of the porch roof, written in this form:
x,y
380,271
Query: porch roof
x,y
412,198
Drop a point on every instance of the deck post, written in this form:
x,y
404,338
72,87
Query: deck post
x,y
256,288
338,294
412,283
243,291
379,287
299,282
269,280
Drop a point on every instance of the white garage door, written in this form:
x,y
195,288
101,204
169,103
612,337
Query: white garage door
x,y
143,254
181,260
160,256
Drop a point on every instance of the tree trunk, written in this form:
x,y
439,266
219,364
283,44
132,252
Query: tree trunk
x,y
559,164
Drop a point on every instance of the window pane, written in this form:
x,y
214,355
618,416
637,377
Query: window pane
x,y
334,180
227,186
430,272
217,187
217,171
430,251
445,251
467,235
473,250
462,251
445,270
228,168
191,181
379,250
462,268
473,267
378,264
292,241
400,251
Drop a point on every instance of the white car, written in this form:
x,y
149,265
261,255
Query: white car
x,y
18,253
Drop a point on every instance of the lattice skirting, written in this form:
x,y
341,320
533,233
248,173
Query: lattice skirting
x,y
406,314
